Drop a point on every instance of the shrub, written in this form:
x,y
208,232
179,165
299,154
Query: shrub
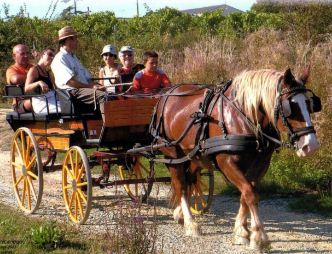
x,y
47,236
132,233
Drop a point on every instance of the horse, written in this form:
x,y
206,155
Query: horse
x,y
234,128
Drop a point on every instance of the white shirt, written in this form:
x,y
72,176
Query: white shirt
x,y
66,66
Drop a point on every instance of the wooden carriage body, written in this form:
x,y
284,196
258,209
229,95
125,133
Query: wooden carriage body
x,y
126,123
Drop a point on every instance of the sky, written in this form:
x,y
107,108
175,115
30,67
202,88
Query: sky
x,y
121,8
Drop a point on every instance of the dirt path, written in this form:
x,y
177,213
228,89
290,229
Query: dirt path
x,y
288,231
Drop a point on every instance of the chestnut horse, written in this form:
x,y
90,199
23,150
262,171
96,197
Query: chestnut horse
x,y
236,133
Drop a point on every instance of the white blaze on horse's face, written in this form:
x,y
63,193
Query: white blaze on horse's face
x,y
307,144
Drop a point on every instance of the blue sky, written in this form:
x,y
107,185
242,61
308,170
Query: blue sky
x,y
121,8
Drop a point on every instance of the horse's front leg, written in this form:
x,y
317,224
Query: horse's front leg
x,y
258,237
182,212
241,232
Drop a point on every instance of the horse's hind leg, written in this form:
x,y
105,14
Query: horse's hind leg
x,y
241,232
182,210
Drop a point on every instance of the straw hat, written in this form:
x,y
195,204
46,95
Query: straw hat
x,y
66,32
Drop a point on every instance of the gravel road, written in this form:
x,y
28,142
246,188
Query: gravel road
x,y
288,231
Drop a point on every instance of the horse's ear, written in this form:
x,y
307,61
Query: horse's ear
x,y
288,77
305,75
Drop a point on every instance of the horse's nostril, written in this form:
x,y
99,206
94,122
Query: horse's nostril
x,y
306,149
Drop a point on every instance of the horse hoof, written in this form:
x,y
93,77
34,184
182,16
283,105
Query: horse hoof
x,y
192,229
259,246
239,240
179,221
178,215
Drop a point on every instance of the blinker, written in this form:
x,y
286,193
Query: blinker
x,y
315,104
286,108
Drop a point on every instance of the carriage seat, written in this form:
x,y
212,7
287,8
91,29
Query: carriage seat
x,y
68,107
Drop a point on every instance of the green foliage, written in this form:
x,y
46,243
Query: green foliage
x,y
317,203
290,172
16,235
209,22
308,20
47,236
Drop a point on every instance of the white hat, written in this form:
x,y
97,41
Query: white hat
x,y
109,49
126,49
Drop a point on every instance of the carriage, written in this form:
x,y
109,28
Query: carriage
x,y
115,143
234,127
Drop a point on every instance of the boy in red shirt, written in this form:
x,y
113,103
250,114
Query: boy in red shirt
x,y
151,77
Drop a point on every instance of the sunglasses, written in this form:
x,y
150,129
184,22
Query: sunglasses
x,y
127,54
50,54
109,55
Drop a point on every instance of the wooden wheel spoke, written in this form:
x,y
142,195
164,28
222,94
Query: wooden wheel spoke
x,y
200,196
33,160
32,188
76,163
69,172
69,186
28,143
17,165
23,145
19,180
82,195
80,172
28,193
18,150
82,184
79,206
71,200
76,208
139,166
33,175
72,165
23,192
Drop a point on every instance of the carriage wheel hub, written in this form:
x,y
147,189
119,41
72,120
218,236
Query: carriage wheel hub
x,y
24,170
74,185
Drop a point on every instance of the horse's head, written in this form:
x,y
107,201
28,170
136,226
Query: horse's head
x,y
292,113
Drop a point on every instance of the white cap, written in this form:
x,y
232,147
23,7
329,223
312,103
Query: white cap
x,y
109,49
126,49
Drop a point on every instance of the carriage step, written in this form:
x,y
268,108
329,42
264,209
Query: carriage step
x,y
92,141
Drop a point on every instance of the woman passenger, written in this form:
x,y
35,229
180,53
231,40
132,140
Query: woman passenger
x,y
111,68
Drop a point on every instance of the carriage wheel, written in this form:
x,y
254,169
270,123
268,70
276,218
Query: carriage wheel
x,y
27,170
77,185
137,169
201,191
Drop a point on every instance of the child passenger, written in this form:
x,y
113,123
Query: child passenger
x,y
151,77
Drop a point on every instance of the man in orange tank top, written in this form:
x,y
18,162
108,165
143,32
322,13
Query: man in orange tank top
x,y
16,74
151,77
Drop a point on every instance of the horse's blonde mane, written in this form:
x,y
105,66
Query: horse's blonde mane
x,y
256,89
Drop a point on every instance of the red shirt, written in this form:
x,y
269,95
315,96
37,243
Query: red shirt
x,y
148,81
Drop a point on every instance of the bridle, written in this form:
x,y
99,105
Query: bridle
x,y
283,109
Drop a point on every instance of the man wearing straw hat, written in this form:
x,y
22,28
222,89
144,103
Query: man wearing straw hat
x,y
71,75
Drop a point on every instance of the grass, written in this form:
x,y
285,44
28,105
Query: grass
x,y
22,234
